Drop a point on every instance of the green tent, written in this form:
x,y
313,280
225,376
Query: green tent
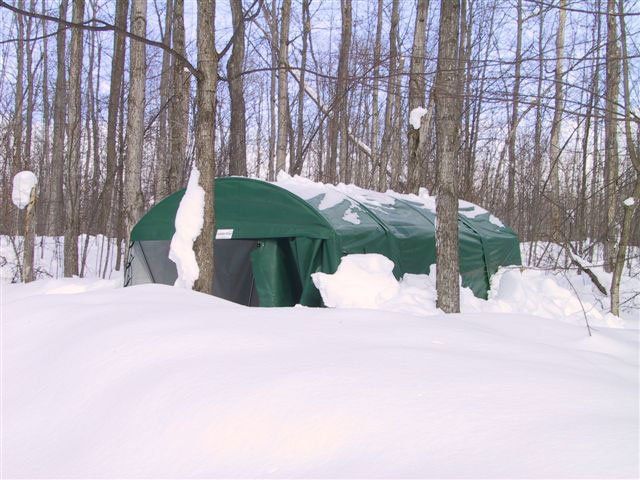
x,y
270,240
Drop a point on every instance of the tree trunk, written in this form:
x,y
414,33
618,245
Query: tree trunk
x,y
337,121
632,149
133,199
74,138
416,97
283,89
611,136
115,89
18,115
31,76
29,238
179,109
554,143
205,140
162,147
56,213
237,131
515,99
273,99
388,113
45,166
375,110
447,124
296,167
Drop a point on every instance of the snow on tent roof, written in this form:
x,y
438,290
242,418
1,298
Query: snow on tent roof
x,y
324,222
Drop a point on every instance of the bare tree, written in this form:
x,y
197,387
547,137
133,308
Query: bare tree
x,y
510,207
337,121
237,129
283,89
133,198
554,144
390,101
18,115
296,167
162,147
416,96
74,134
447,125
376,158
632,149
115,88
612,87
205,140
179,108
56,189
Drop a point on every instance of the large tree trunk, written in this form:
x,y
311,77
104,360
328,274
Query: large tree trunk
x,y
611,136
237,130
74,137
133,199
205,140
447,125
179,111
55,222
416,98
106,202
554,143
283,89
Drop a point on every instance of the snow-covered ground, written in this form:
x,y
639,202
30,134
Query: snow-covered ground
x,y
161,382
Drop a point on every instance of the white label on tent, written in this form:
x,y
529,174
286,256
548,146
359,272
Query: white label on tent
x,y
224,233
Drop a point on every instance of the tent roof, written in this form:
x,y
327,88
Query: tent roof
x,y
252,208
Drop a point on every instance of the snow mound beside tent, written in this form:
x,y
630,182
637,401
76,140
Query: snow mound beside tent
x,y
160,382
367,281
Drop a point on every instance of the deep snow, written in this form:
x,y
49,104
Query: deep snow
x,y
155,381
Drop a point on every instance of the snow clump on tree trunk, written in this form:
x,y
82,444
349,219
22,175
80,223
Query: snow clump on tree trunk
x,y
23,183
189,222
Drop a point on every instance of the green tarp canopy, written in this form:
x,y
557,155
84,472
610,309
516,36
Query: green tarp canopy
x,y
270,240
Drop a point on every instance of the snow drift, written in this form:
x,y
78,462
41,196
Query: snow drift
x,y
161,382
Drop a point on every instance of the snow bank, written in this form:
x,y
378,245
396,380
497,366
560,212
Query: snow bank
x,y
23,183
160,382
361,281
189,222
367,281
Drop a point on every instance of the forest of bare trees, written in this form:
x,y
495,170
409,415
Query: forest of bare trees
x,y
529,108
